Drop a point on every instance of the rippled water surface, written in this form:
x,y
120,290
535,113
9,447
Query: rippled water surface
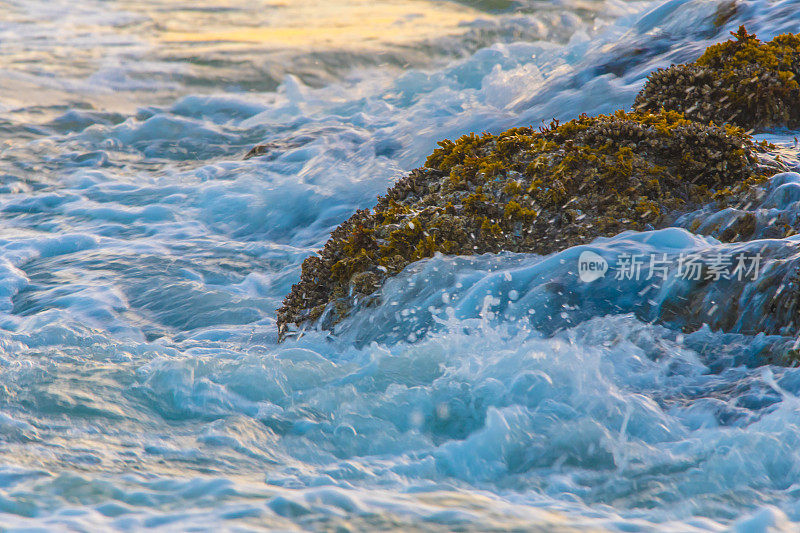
x,y
142,260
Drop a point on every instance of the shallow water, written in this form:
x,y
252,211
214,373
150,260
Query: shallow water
x,y
142,260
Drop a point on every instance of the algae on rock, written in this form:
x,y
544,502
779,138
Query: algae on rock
x,y
743,81
526,190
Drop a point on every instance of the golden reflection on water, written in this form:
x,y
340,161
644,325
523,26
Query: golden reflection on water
x,y
321,23
154,51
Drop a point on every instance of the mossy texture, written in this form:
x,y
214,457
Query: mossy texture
x,y
742,81
526,190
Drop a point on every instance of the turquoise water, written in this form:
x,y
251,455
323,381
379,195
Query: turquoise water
x,y
142,260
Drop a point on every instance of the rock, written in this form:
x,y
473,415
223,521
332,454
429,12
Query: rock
x,y
528,190
272,150
742,81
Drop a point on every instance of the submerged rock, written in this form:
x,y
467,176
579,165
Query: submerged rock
x,y
527,190
741,81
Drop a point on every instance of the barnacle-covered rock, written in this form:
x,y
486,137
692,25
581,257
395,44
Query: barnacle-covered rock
x,y
742,81
526,190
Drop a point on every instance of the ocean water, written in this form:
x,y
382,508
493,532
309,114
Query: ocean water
x,y
142,260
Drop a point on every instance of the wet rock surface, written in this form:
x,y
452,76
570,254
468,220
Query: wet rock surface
x,y
743,81
529,190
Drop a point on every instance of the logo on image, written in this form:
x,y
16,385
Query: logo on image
x,y
591,266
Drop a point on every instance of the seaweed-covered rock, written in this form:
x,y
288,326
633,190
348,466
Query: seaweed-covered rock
x,y
526,190
742,81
